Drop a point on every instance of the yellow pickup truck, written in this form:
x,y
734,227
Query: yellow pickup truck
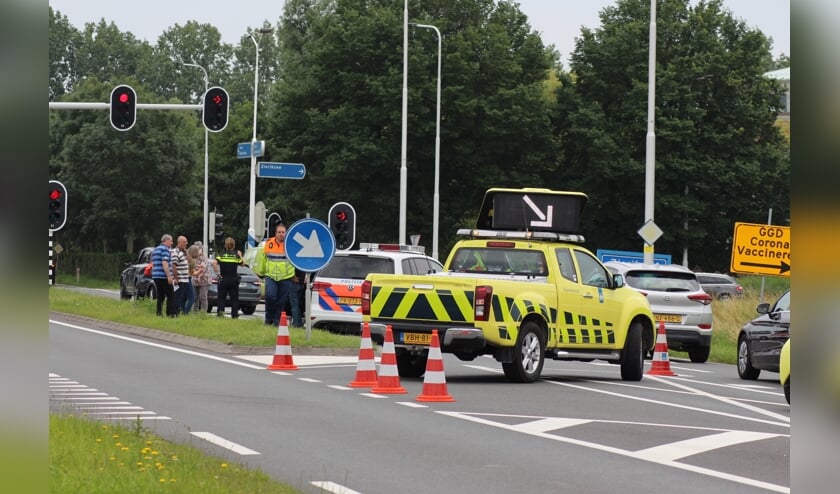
x,y
519,287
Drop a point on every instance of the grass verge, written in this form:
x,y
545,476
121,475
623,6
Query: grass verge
x,y
90,456
251,332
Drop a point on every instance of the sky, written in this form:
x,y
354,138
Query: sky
x,y
558,21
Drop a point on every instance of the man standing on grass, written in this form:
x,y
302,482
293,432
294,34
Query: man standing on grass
x,y
162,275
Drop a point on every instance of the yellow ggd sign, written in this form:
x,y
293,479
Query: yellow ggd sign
x,y
761,249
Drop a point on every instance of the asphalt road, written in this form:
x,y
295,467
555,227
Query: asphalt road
x,y
580,429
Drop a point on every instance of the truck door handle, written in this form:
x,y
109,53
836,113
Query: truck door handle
x,y
588,295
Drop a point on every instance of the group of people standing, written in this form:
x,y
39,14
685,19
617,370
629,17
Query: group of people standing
x,y
183,275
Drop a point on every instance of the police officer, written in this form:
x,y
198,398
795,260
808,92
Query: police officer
x,y
277,272
225,265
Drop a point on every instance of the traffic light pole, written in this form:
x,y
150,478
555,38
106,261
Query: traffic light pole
x,y
80,105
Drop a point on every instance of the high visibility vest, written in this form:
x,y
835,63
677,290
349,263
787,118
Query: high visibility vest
x,y
272,261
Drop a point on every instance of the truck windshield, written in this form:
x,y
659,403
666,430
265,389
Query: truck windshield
x,y
499,261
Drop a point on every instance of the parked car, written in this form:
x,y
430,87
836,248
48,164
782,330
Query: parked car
x,y
784,369
720,286
337,290
133,281
250,291
760,341
675,298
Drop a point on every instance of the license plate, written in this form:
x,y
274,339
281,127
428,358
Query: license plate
x,y
417,338
349,301
667,317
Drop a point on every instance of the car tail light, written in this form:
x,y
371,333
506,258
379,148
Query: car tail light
x,y
739,289
320,286
366,298
704,326
483,296
703,298
504,245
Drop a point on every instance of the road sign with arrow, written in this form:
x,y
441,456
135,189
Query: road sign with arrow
x,y
761,249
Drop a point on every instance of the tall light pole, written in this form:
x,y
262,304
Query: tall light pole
x,y
436,202
403,169
252,239
206,162
650,138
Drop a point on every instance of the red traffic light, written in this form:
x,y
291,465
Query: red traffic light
x,y
123,97
55,194
341,215
217,99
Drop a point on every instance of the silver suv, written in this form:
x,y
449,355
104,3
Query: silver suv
x,y
720,286
676,298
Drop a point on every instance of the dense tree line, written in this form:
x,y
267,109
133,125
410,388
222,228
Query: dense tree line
x,y
330,97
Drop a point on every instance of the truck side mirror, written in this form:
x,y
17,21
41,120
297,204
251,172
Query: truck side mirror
x,y
618,280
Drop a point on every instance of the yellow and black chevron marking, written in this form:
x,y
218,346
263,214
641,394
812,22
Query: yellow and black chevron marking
x,y
598,333
432,305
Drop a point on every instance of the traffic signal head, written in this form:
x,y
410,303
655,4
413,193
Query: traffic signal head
x,y
123,107
215,114
58,204
219,226
342,222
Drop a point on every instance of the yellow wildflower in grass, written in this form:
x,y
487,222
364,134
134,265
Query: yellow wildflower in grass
x,y
124,448
224,465
116,436
98,440
172,480
162,481
155,453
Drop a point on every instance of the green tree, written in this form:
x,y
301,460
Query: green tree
x,y
719,158
337,108
63,40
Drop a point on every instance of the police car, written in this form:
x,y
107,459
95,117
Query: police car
x,y
336,290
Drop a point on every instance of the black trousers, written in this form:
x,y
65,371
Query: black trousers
x,y
229,287
164,291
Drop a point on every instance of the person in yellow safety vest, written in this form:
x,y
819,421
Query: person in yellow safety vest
x,y
277,273
479,264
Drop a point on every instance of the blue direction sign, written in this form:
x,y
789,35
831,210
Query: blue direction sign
x,y
310,245
280,170
243,149
625,256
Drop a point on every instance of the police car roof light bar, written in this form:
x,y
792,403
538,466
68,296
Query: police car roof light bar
x,y
526,235
392,247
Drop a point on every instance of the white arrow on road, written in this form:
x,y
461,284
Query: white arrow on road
x,y
311,247
545,218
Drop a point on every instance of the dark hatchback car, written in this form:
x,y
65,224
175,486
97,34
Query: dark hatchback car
x,y
133,283
250,292
761,340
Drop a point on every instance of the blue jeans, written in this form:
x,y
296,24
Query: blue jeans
x,y
187,297
276,298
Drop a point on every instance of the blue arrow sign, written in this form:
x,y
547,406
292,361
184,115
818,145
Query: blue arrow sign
x,y
625,256
243,149
310,245
281,170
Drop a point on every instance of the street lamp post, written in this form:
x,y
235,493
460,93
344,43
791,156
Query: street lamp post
x,y
650,137
403,152
206,162
252,240
436,203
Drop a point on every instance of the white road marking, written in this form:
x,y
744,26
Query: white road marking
x,y
156,345
133,414
306,360
549,424
80,393
373,395
104,407
619,451
696,445
411,404
80,398
69,386
339,387
309,380
100,407
220,441
333,487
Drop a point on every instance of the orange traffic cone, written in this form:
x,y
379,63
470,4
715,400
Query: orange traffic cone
x,y
434,381
366,367
389,376
283,350
661,366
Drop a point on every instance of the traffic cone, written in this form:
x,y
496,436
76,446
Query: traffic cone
x,y
661,365
283,350
389,376
366,367
434,381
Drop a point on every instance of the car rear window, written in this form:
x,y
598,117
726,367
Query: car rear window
x,y
356,267
662,281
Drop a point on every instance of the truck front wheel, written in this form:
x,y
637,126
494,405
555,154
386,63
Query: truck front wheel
x,y
632,356
529,355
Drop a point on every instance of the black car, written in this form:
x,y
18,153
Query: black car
x,y
133,283
760,340
250,291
